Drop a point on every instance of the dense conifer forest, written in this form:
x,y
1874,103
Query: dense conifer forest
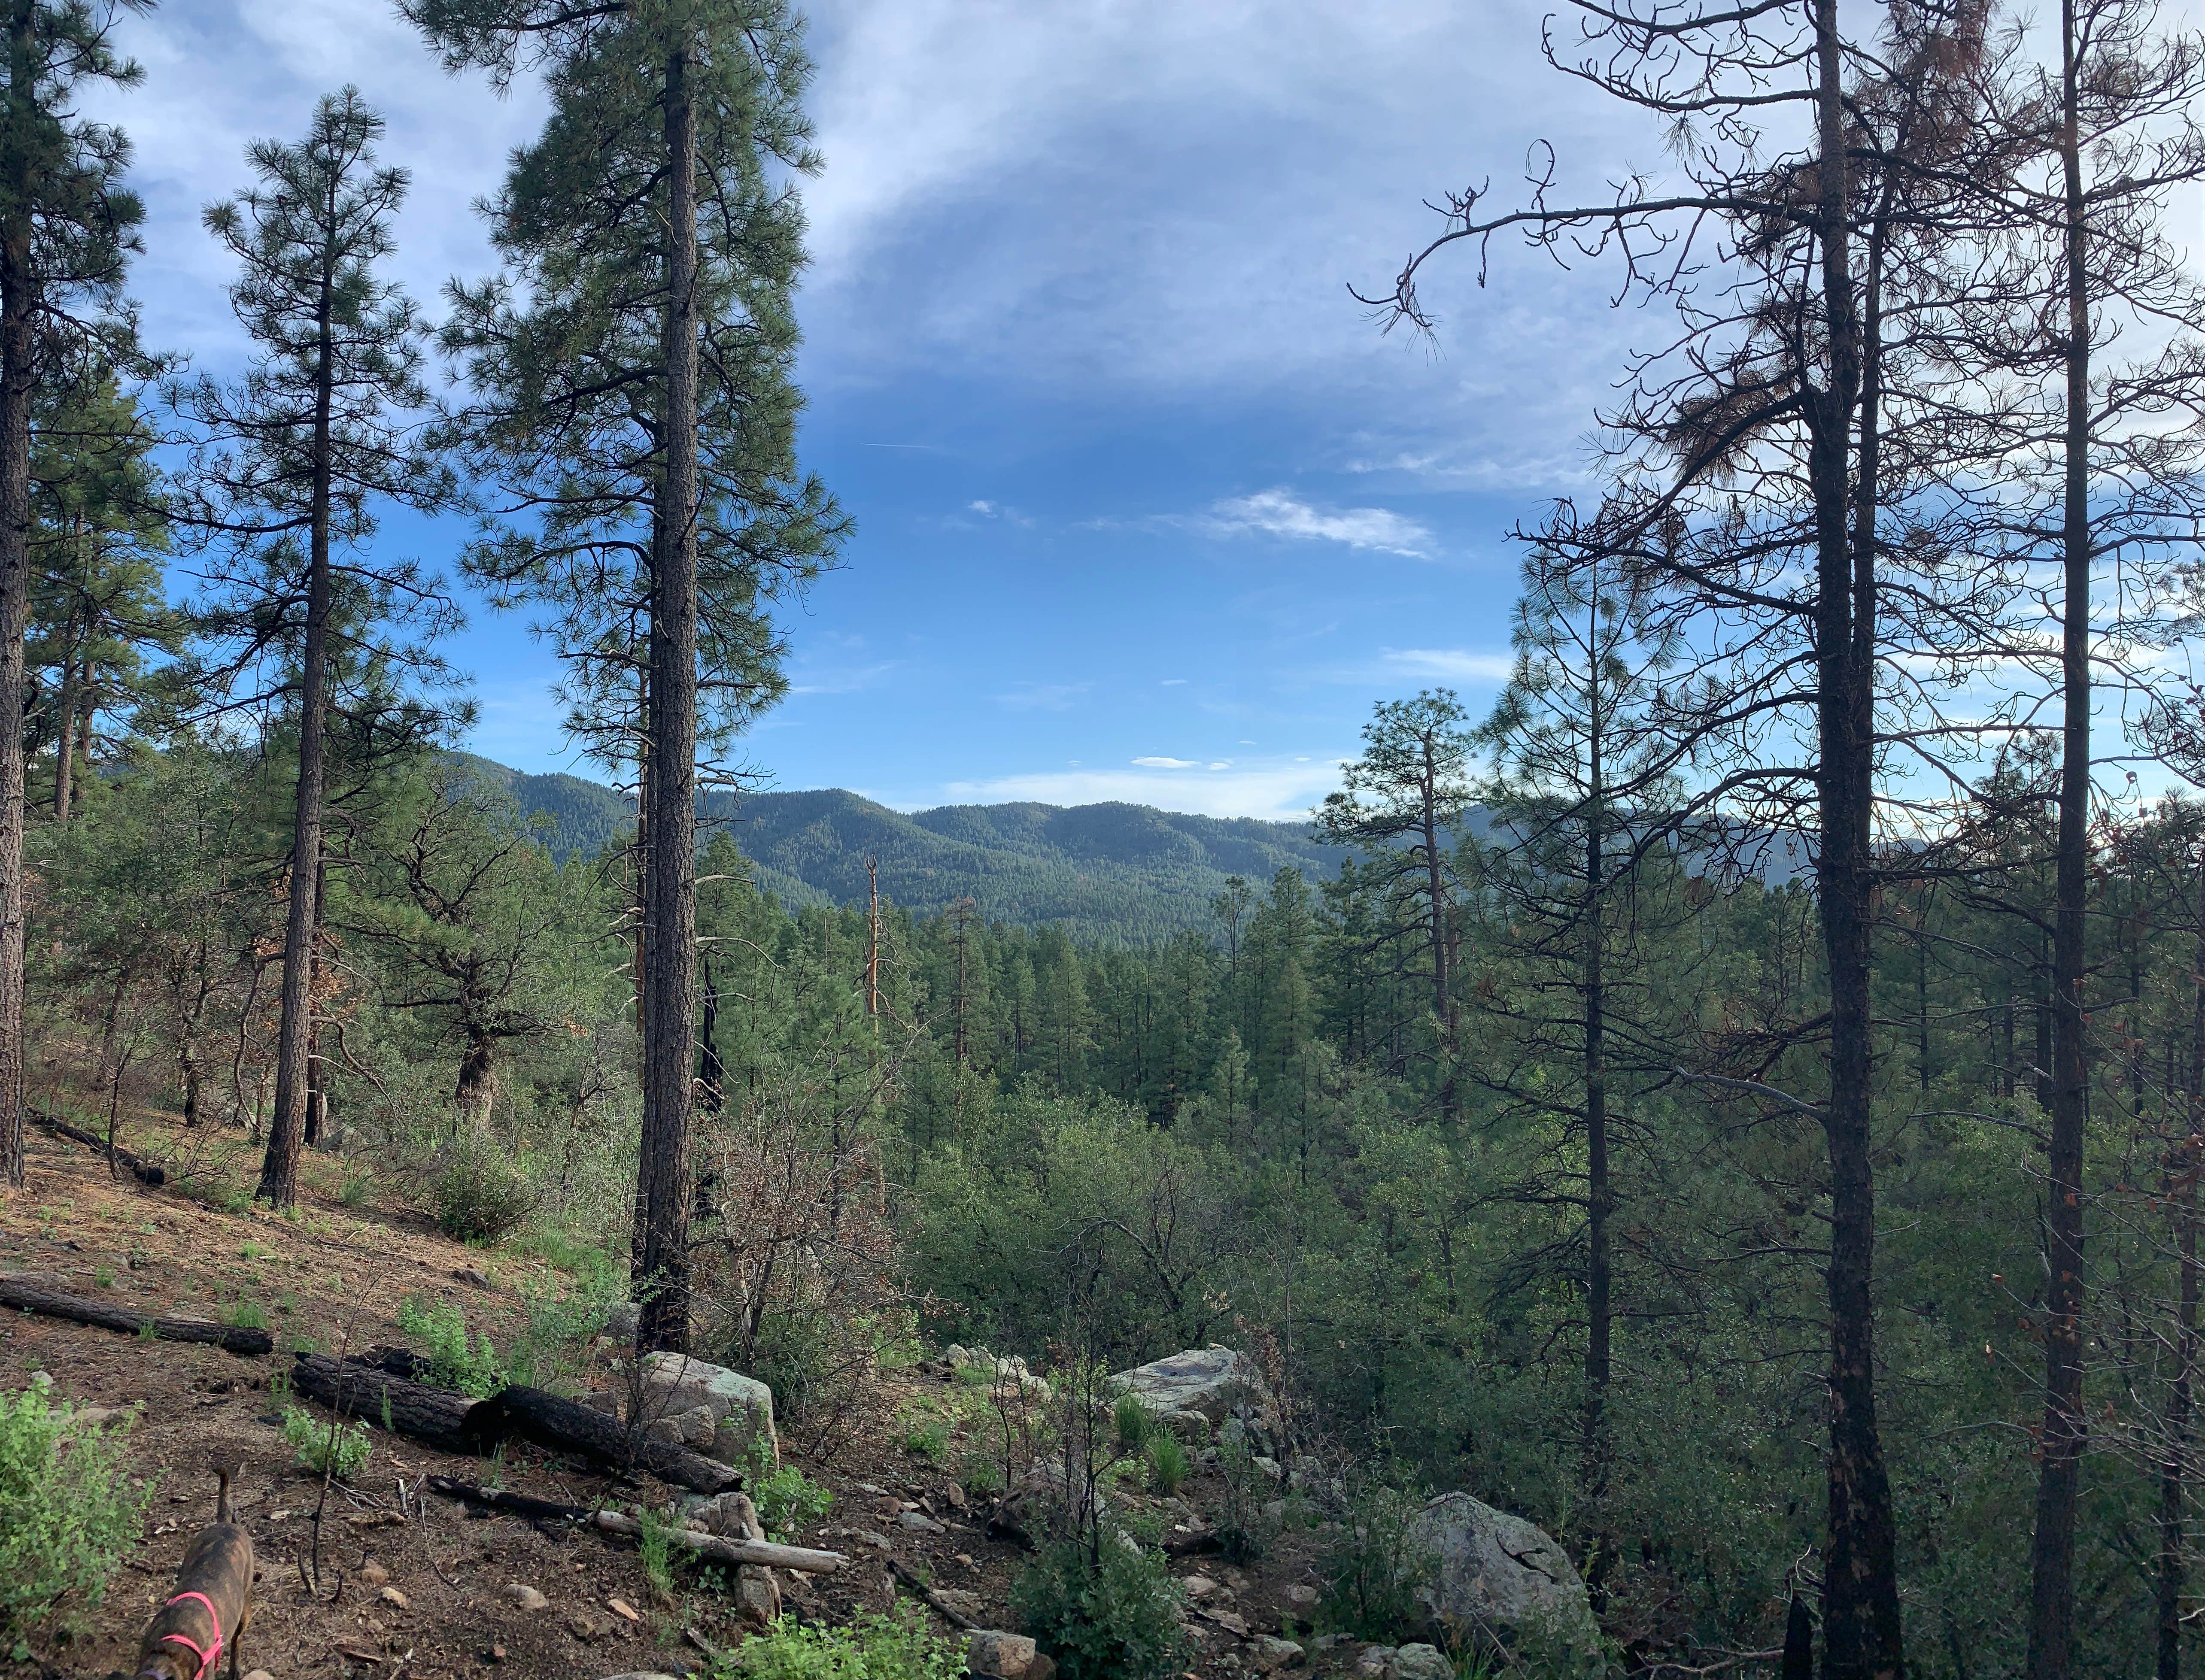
x,y
1735,1101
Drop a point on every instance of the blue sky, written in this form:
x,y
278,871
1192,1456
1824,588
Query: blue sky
x,y
1147,508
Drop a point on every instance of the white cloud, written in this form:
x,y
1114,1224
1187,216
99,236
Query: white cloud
x,y
1175,682
1279,512
1279,792
848,680
1447,664
1168,763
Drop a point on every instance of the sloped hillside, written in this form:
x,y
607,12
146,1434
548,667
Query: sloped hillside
x,y
1115,872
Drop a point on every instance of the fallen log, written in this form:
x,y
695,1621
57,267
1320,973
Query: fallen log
x,y
956,1618
138,1167
52,1303
562,1425
434,1416
455,1423
801,1559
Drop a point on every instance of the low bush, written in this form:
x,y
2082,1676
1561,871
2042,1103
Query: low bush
x,y
1374,1570
481,1195
341,1450
784,1495
67,1513
1114,1616
455,1362
900,1646
1167,1464
1134,1424
926,1441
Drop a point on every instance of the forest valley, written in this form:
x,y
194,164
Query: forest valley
x,y
1763,1148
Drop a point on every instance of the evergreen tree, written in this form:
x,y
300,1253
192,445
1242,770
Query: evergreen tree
x,y
67,227
289,463
1405,800
631,374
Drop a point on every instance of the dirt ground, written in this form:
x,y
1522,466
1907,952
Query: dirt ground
x,y
434,1603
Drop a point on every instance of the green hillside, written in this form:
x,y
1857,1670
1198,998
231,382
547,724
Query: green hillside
x,y
1114,872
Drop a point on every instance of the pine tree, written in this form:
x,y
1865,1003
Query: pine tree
x,y
631,372
1405,800
289,463
67,227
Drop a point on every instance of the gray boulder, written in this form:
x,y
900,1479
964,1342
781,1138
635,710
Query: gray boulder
x,y
1418,1662
1202,1390
717,1411
1498,1576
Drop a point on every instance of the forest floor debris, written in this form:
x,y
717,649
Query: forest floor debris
x,y
427,1587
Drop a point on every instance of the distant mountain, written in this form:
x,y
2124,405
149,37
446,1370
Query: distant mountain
x,y
1112,872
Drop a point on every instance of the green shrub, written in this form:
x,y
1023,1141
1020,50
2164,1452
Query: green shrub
x,y
246,1314
357,1188
929,1442
1242,1530
1135,1423
104,1275
471,1366
67,1511
1168,1465
555,1344
1373,1571
652,1547
1114,1619
481,1195
978,1473
900,1646
784,1495
316,1443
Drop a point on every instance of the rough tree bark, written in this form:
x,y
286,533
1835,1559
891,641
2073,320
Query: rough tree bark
x,y
17,284
2052,1618
287,1131
670,895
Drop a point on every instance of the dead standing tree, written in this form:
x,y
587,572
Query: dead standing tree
x,y
1766,447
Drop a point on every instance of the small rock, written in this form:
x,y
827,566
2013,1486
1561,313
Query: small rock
x,y
372,1572
259,1674
1230,1621
966,1559
1302,1597
1000,1656
1270,1654
952,1497
1199,1586
470,1275
394,1597
1421,1662
881,1542
917,1522
1373,1661
498,1653
623,1609
1325,1642
583,1627
528,1598
757,1595
967,1605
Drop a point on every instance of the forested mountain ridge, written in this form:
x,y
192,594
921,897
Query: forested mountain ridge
x,y
1113,872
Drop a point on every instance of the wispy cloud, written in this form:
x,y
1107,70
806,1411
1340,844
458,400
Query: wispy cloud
x,y
1044,696
1160,763
1279,512
1447,664
1280,792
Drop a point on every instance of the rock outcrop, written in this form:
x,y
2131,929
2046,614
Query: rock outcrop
x,y
1500,1577
717,1412
1201,1391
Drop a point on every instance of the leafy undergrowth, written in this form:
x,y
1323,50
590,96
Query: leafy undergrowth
x,y
130,1493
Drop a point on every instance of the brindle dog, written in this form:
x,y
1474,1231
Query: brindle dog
x,y
207,1613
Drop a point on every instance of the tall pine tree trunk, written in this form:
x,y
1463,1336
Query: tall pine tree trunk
x,y
65,740
16,285
1600,1202
2052,1609
286,1130
1860,1621
670,895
